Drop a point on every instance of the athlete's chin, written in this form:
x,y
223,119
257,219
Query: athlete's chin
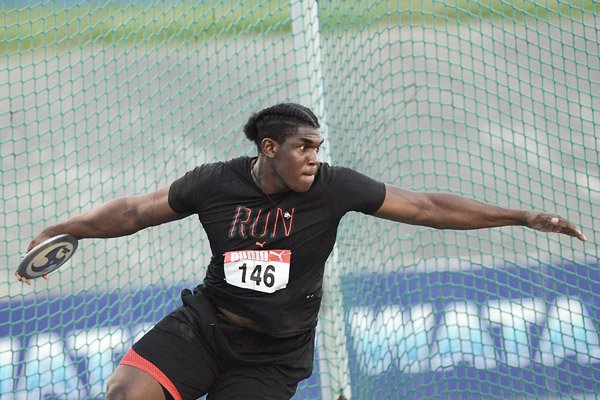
x,y
304,184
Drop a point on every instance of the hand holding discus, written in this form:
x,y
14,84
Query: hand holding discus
x,y
45,257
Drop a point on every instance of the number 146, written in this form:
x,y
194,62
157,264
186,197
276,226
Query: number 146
x,y
259,275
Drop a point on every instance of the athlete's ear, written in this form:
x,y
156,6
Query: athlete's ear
x,y
269,147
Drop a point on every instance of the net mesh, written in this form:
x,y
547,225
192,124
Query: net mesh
x,y
494,100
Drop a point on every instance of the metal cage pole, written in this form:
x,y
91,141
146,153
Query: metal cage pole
x,y
331,333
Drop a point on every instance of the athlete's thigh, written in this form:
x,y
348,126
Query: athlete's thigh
x,y
262,382
178,359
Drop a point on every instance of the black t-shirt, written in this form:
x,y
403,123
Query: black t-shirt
x,y
237,215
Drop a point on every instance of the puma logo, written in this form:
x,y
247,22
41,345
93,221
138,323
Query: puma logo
x,y
278,254
261,244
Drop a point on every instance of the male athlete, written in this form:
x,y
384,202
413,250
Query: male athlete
x,y
247,332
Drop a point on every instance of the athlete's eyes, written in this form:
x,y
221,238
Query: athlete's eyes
x,y
306,147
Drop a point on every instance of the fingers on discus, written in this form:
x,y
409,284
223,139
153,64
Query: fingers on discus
x,y
22,279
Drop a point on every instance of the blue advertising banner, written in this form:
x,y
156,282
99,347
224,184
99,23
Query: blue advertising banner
x,y
496,333
510,332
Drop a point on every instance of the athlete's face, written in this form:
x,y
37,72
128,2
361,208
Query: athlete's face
x,y
297,160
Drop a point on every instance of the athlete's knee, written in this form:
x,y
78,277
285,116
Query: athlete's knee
x,y
132,384
117,391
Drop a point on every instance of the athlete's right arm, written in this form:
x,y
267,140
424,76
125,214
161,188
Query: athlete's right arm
x,y
118,217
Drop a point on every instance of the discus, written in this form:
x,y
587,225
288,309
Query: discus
x,y
47,256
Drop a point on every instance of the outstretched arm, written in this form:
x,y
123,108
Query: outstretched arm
x,y
118,217
450,211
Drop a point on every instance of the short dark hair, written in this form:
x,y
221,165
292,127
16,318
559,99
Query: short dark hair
x,y
279,122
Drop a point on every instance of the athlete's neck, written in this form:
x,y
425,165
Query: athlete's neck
x,y
265,177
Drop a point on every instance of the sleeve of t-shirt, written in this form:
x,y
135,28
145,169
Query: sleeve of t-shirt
x,y
353,191
188,194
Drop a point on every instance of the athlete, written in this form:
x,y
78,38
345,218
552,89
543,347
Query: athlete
x,y
247,332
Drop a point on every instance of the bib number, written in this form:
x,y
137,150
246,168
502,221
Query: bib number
x,y
262,270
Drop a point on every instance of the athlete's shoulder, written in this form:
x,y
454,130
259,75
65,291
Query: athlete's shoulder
x,y
238,163
190,192
350,190
325,170
223,167
326,167
329,173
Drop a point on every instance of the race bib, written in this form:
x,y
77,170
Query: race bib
x,y
261,270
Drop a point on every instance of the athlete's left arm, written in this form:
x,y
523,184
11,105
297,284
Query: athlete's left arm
x,y
450,211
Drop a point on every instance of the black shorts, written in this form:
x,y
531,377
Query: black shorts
x,y
195,351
